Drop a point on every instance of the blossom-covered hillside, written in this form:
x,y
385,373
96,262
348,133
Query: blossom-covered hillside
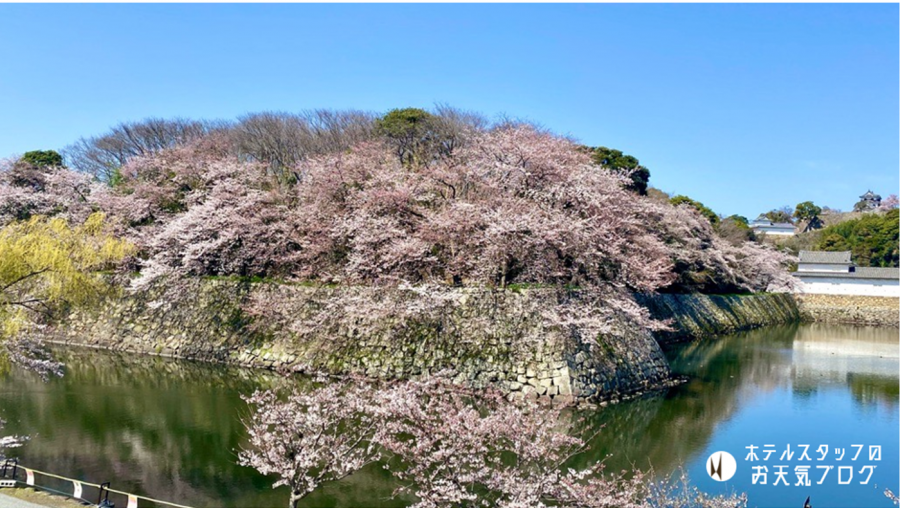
x,y
410,197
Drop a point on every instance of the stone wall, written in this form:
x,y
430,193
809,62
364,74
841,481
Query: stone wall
x,y
696,316
849,309
475,337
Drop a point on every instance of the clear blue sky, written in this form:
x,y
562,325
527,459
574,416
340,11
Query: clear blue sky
x,y
743,107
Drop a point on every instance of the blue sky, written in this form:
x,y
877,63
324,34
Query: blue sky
x,y
744,107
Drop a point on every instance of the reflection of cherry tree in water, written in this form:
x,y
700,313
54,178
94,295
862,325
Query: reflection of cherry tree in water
x,y
448,448
174,424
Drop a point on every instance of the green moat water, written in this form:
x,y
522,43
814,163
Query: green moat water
x,y
171,429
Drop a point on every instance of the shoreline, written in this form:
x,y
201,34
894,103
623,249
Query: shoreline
x,y
882,311
485,338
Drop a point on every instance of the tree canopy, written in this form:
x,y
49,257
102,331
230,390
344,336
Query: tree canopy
x,y
740,220
783,214
101,156
615,160
409,196
410,130
45,263
43,158
700,207
735,229
809,213
872,239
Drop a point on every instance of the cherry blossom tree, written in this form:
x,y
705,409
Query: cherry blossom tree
x,y
889,203
26,190
197,210
705,262
500,205
445,450
448,448
456,449
676,491
311,438
515,205
233,228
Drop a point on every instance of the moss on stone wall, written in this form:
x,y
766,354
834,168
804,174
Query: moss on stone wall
x,y
483,338
695,316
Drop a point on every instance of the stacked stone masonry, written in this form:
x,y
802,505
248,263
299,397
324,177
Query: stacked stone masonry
x,y
850,309
697,316
484,338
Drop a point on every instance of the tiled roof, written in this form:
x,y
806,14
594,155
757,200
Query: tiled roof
x,y
870,195
823,257
874,272
861,272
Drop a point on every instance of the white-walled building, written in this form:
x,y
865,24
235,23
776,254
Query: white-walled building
x,y
763,225
833,273
822,261
869,201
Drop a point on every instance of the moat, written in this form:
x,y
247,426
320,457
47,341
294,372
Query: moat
x,y
171,429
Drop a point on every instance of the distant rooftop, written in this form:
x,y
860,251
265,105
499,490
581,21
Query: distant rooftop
x,y
877,272
869,195
823,257
762,220
861,272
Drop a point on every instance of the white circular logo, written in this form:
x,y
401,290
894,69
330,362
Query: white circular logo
x,y
721,466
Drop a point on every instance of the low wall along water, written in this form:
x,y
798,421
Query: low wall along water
x,y
484,338
850,309
698,316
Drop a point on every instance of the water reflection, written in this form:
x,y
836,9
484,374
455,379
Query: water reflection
x,y
799,384
171,429
157,427
723,372
865,359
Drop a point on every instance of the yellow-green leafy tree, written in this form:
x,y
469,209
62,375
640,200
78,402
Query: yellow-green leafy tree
x,y
46,265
